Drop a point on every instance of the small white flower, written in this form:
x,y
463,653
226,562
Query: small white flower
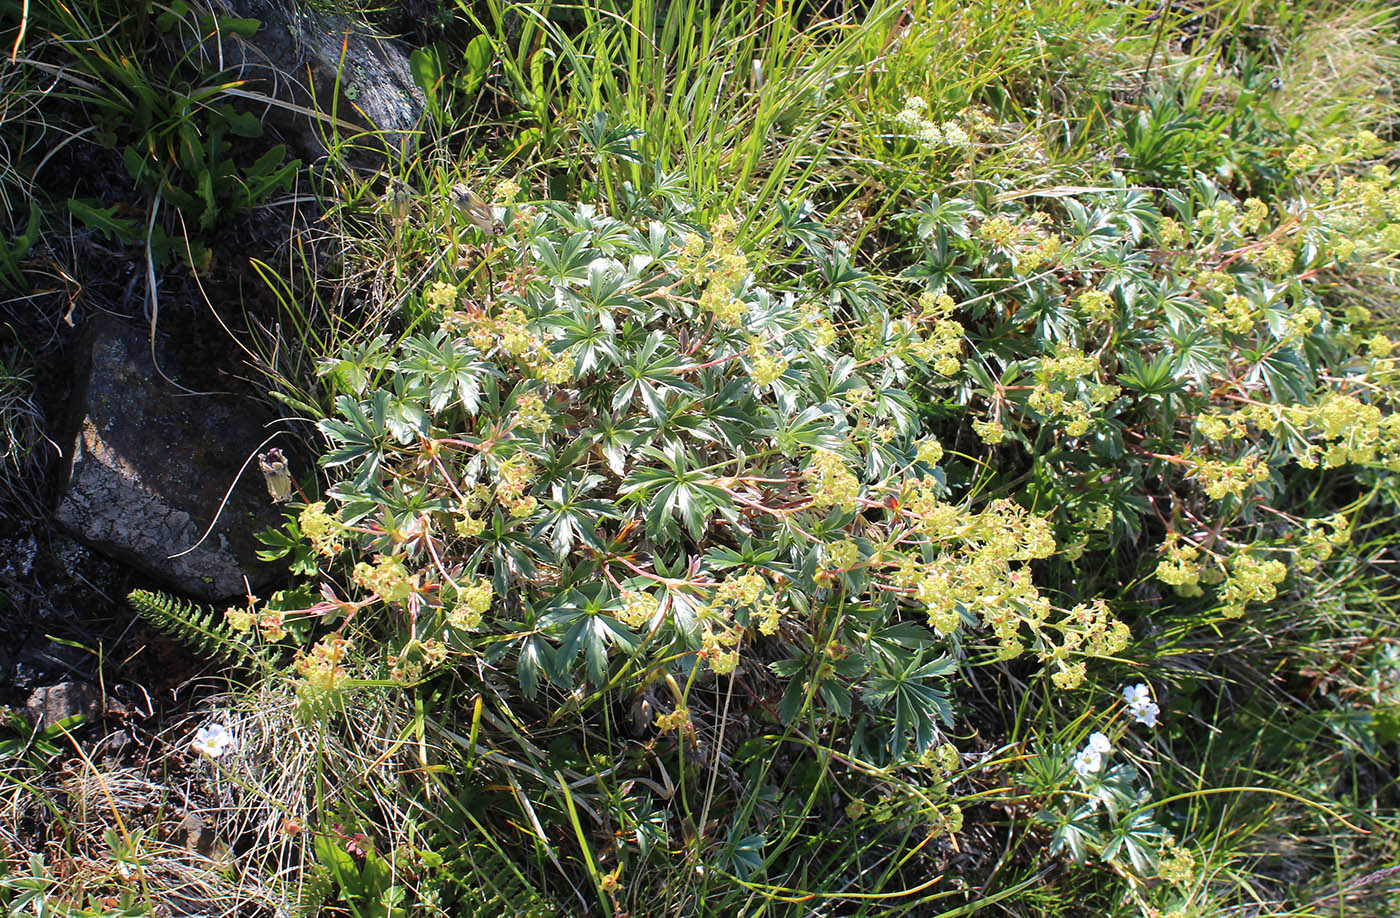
x,y
1141,705
1146,714
213,740
954,135
908,118
1099,743
929,133
1137,695
1087,762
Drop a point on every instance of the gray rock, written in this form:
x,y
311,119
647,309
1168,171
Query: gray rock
x,y
195,834
149,468
52,704
295,57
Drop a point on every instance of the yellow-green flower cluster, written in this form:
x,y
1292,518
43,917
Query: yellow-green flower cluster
x,y
322,668
1301,158
513,332
1219,221
467,523
940,348
1234,314
1218,427
1177,866
818,323
830,483
417,657
1352,431
719,644
935,306
1037,250
1359,215
1300,324
765,367
947,821
513,476
678,720
507,190
549,367
473,602
1058,383
1218,282
992,432
321,528
440,295
638,609
999,232
1094,305
974,575
914,121
531,414
1180,568
1355,431
509,333
746,591
1275,259
741,591
1250,579
387,577
946,758
1222,479
930,451
1170,233
1088,629
842,555
719,269
1317,543
1255,213
1067,365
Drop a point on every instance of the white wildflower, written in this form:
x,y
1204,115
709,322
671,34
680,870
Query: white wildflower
x,y
954,134
908,118
1136,695
930,134
1141,705
1087,762
213,740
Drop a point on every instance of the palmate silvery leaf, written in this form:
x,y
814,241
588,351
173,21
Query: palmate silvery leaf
x,y
563,265
1074,833
743,856
935,214
1138,836
917,698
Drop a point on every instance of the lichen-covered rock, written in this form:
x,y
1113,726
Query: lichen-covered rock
x,y
299,57
149,468
53,704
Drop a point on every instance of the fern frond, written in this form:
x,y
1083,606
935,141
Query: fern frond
x,y
315,889
203,629
485,883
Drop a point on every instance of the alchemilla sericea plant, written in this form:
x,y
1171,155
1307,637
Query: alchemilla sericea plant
x,y
619,451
